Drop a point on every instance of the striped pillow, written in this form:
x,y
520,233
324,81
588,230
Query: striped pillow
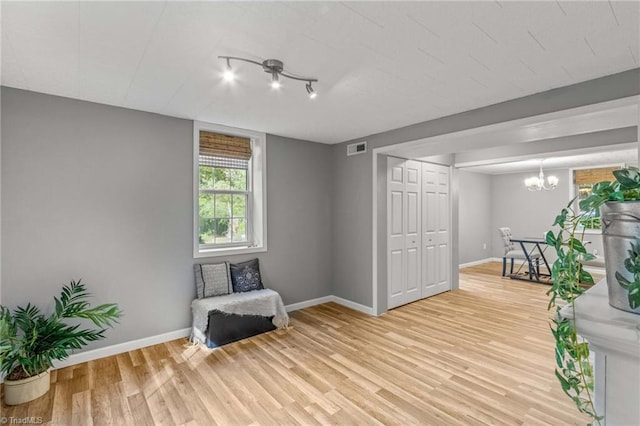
x,y
212,279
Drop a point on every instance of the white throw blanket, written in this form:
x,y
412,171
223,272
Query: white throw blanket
x,y
266,303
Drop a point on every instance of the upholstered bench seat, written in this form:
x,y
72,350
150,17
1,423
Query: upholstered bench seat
x,y
219,320
232,303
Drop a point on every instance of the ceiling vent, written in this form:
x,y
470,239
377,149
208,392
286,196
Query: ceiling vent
x,y
357,148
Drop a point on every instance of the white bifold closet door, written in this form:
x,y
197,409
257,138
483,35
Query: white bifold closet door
x,y
403,231
418,260
436,257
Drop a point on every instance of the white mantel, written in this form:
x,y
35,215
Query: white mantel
x,y
614,338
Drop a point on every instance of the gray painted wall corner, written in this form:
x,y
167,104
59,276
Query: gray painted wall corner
x,y
105,194
352,230
475,209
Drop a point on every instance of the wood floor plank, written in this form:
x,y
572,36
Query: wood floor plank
x,y
481,355
81,409
140,410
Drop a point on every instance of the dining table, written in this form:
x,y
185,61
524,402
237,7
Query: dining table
x,y
533,249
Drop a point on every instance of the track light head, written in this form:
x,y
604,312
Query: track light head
x,y
275,81
312,93
229,75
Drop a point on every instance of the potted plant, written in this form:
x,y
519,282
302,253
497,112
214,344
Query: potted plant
x,y
31,341
619,205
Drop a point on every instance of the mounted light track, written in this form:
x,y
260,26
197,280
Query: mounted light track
x,y
274,67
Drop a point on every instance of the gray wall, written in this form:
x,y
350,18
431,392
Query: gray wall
x,y
105,194
299,179
530,213
352,202
475,205
527,213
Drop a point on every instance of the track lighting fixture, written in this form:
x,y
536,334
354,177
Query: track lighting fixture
x,y
229,75
274,67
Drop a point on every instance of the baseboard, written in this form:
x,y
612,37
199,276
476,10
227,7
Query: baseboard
x,y
308,303
339,300
353,305
479,262
185,332
122,347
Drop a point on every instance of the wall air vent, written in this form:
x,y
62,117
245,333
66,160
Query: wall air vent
x,y
357,148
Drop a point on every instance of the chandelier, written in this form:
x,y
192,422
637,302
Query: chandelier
x,y
537,183
274,67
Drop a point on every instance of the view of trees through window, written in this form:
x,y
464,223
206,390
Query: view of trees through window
x,y
584,179
223,199
585,190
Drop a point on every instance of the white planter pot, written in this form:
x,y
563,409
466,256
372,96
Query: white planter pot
x,y
25,390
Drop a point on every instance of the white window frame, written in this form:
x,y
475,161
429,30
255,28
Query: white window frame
x,y
257,200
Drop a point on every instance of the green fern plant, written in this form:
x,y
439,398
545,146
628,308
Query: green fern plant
x,y
31,341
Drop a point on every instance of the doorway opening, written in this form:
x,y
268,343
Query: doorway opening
x,y
586,131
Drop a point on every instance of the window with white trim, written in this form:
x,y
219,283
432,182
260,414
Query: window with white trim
x,y
229,191
583,181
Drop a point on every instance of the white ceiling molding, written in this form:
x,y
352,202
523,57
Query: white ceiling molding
x,y
625,154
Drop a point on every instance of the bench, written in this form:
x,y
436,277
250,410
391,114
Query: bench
x,y
228,315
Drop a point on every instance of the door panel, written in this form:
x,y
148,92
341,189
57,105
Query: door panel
x,y
413,269
430,216
396,213
403,231
412,213
395,272
436,227
429,272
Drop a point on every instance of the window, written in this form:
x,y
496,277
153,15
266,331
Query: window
x,y
229,211
583,180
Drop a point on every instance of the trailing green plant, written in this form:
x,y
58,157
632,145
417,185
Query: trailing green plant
x,y
574,370
30,341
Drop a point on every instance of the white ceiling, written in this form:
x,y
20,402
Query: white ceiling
x,y
381,65
569,160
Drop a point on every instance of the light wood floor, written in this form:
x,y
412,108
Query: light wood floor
x,y
480,355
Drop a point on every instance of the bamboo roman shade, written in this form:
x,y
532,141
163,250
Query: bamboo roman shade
x,y
218,145
591,176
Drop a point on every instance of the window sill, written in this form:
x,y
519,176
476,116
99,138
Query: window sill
x,y
589,231
228,251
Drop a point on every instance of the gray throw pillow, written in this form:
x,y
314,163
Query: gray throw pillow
x,y
212,279
245,276
197,271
